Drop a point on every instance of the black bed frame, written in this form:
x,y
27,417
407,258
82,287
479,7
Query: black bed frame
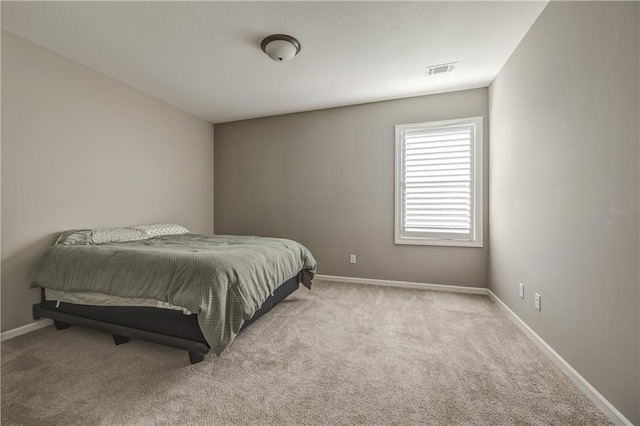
x,y
165,326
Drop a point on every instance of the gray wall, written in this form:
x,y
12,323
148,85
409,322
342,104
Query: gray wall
x,y
564,189
326,178
81,150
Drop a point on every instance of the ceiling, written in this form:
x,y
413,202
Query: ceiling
x,y
205,57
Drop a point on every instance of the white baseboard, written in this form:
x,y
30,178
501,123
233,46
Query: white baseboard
x,y
10,334
405,284
601,402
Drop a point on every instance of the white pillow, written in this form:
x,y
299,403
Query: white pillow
x,y
159,229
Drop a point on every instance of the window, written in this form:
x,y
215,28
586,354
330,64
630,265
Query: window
x,y
439,183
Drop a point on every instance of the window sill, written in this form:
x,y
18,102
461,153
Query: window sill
x,y
435,242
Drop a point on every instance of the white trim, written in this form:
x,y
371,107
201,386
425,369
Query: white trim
x,y
404,284
10,334
601,402
424,241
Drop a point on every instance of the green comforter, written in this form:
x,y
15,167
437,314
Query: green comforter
x,y
224,279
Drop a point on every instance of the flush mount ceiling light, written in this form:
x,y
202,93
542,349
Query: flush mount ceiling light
x,y
280,47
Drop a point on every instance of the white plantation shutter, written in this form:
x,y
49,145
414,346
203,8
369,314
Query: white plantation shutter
x,y
437,182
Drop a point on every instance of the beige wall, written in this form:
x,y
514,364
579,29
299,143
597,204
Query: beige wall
x,y
326,178
81,150
564,189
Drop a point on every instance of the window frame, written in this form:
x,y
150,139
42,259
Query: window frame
x,y
477,173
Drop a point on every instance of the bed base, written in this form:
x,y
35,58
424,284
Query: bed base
x,y
163,326
122,334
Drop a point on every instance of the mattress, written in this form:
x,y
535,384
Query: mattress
x,y
100,299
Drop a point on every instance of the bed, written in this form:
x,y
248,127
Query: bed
x,y
189,291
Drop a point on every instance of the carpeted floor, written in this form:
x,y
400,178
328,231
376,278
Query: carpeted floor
x,y
340,354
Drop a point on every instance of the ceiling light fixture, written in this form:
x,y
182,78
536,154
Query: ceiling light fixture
x,y
280,47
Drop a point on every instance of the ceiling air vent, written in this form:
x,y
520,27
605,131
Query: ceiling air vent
x,y
440,69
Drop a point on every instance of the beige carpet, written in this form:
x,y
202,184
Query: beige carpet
x,y
341,354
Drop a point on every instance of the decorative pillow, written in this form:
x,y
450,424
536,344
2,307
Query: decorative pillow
x,y
101,236
160,229
82,237
116,235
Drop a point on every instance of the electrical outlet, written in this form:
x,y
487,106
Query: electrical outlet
x,y
537,301
352,258
521,291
